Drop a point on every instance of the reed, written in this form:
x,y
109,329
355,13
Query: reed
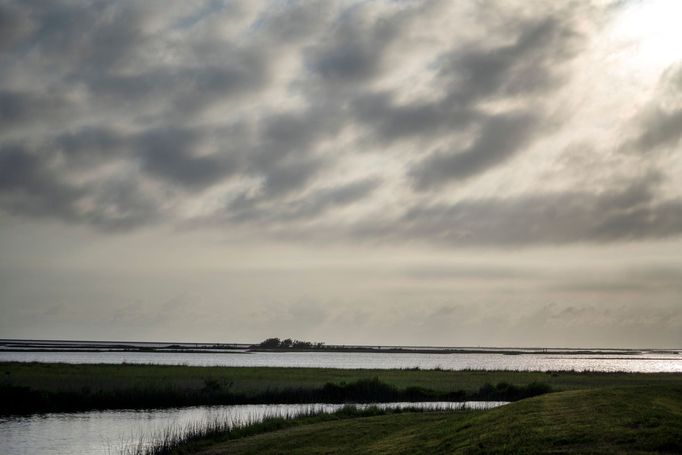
x,y
187,438
22,400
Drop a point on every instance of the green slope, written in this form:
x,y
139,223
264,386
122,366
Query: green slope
x,y
620,420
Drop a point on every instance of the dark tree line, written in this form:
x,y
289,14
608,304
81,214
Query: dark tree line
x,y
276,343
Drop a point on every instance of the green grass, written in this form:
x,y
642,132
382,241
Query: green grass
x,y
57,377
202,436
40,387
23,400
612,420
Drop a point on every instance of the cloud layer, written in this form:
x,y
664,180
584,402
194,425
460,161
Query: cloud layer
x,y
120,115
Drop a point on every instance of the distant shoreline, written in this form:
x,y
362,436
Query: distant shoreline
x,y
199,348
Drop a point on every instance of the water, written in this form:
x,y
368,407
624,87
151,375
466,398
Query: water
x,y
113,432
636,361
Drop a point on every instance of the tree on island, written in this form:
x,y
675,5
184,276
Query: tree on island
x,y
271,343
276,343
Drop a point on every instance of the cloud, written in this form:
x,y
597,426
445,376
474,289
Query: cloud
x,y
473,76
14,24
623,214
168,153
660,123
89,146
355,47
283,178
390,121
185,90
30,187
309,206
19,108
499,138
530,64
661,129
123,114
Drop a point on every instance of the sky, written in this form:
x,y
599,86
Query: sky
x,y
473,173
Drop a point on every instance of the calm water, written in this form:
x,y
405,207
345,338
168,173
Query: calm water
x,y
114,432
635,362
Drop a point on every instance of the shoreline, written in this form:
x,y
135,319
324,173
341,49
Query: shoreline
x,y
11,345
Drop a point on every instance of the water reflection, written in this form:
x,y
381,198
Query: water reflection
x,y
112,432
639,362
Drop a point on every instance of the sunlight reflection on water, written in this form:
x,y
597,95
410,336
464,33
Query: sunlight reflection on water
x,y
111,432
638,362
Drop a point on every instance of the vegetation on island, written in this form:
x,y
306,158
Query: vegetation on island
x,y
277,344
288,343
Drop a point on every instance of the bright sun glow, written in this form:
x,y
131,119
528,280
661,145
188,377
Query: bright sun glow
x,y
652,31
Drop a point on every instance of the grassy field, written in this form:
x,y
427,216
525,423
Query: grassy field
x,y
68,377
35,387
612,420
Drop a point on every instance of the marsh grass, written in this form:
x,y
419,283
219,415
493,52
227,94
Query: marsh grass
x,y
18,399
55,387
642,420
220,428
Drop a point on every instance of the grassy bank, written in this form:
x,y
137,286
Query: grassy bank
x,y
197,437
41,387
612,420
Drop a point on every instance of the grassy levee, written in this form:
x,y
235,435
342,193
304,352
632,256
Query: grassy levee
x,y
37,387
611,420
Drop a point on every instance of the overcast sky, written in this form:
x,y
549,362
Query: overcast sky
x,y
471,173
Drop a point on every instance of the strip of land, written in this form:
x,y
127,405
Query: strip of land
x,y
54,387
277,345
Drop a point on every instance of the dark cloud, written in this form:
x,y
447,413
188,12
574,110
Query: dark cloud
x,y
85,38
182,91
18,107
391,121
292,22
169,153
530,64
500,137
14,24
354,49
292,133
660,129
306,207
659,126
289,176
89,145
30,186
283,155
472,75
